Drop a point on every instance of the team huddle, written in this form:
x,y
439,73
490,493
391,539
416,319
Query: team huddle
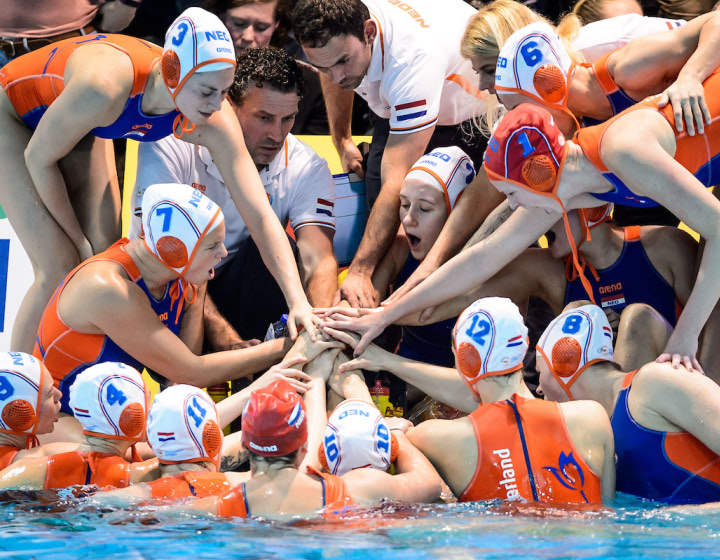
x,y
457,359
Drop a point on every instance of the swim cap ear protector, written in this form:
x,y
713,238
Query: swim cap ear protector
x,y
197,41
573,341
356,437
175,219
110,400
183,426
534,62
449,170
527,149
489,338
21,385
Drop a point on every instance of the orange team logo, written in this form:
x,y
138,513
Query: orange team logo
x,y
569,473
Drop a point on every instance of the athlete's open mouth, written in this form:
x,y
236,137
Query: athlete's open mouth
x,y
413,241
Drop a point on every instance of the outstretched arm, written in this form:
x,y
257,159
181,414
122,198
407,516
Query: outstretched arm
x,y
339,104
441,383
91,98
650,169
224,139
686,56
28,474
401,151
478,200
416,481
315,406
457,276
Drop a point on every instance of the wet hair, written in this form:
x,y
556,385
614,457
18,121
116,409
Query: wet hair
x,y
289,459
266,67
315,22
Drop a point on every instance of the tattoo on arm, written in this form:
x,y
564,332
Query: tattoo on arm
x,y
234,461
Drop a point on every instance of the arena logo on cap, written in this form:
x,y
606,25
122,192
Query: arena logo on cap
x,y
265,448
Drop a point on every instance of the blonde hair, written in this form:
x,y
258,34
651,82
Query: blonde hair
x,y
492,25
489,29
485,35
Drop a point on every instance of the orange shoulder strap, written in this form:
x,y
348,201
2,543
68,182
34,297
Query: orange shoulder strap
x,y
204,484
66,469
169,487
109,470
632,233
232,504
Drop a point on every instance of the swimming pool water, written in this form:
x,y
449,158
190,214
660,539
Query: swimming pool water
x,y
629,529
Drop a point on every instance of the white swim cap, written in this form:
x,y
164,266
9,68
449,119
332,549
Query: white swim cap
x,y
575,340
448,170
176,218
110,400
490,338
357,436
534,62
21,383
197,41
183,426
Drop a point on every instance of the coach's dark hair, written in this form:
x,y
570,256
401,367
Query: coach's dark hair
x,y
266,66
315,22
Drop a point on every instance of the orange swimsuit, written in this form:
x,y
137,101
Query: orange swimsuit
x,y
335,496
7,455
186,484
33,81
524,450
67,352
75,467
699,154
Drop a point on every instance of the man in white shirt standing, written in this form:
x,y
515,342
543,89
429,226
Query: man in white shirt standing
x,y
265,94
404,59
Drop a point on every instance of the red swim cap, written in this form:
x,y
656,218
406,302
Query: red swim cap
x,y
526,149
273,422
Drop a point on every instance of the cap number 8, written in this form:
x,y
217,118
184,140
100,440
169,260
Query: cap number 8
x,y
572,324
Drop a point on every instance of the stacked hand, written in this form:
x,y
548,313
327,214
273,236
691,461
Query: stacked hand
x,y
310,347
301,315
285,370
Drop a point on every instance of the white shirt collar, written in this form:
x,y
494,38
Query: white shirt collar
x,y
273,169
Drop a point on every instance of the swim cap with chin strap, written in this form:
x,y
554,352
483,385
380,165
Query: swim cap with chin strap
x,y
527,149
21,386
183,426
197,41
533,62
489,338
573,341
356,437
175,219
110,400
448,170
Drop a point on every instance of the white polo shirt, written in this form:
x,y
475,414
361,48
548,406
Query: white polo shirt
x,y
297,181
601,37
417,77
